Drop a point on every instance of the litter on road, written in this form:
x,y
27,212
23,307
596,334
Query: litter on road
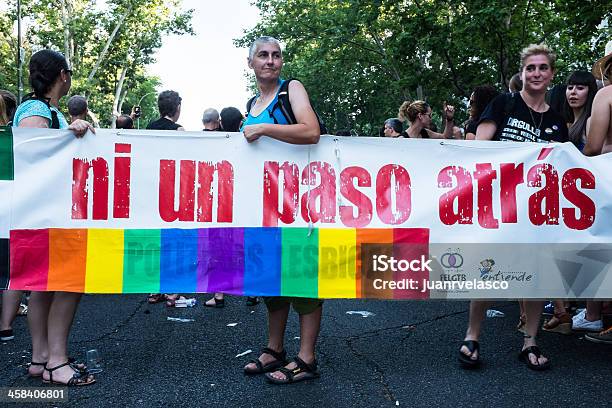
x,y
244,353
179,319
363,313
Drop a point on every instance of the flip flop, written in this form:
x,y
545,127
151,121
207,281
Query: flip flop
x,y
467,361
535,350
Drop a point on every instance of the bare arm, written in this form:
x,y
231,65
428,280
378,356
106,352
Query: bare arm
x,y
600,122
449,114
486,130
79,126
305,131
34,122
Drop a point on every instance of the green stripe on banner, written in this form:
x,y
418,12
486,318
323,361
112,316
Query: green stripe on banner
x,y
6,153
141,261
300,262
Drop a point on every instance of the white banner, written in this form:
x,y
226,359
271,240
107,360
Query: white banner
x,y
528,198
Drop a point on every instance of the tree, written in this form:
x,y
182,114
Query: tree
x,y
361,59
108,49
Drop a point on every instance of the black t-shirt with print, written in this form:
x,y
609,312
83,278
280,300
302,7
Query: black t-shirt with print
x,y
163,124
517,123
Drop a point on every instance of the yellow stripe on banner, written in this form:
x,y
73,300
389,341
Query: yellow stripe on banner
x,y
337,263
104,261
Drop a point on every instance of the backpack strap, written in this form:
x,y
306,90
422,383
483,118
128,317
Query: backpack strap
x,y
54,119
249,104
284,104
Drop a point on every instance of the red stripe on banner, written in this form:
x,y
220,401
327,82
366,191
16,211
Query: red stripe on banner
x,y
411,244
29,259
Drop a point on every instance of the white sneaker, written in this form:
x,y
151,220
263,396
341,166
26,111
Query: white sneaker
x,y
580,323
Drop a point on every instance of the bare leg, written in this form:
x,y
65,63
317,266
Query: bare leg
x,y
10,306
61,314
277,322
38,315
478,309
593,310
560,306
310,325
533,310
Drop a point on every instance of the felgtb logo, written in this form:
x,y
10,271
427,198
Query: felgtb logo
x,y
452,260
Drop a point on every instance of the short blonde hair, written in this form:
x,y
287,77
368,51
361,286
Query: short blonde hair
x,y
409,110
538,49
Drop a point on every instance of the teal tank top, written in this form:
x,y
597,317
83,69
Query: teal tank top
x,y
271,114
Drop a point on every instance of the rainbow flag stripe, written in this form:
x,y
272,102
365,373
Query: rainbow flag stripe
x,y
318,263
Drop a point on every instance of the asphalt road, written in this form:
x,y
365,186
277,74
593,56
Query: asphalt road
x,y
405,354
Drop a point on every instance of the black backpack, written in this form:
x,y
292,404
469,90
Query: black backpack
x,y
54,119
283,104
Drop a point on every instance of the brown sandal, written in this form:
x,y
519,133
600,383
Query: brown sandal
x,y
559,323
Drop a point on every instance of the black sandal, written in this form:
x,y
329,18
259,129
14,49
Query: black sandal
x,y
79,378
78,366
467,361
308,371
219,303
280,359
535,350
251,301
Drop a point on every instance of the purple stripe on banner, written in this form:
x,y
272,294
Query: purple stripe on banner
x,y
203,259
262,262
178,261
221,260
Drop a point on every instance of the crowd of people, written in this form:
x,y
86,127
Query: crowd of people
x,y
578,112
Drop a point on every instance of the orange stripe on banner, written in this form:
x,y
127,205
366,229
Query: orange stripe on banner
x,y
364,276
67,260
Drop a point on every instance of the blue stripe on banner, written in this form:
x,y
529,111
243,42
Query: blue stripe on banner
x,y
179,261
262,263
4,263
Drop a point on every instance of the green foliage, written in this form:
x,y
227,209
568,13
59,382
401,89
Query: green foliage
x,y
103,44
360,59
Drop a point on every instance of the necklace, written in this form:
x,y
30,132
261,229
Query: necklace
x,y
533,120
265,101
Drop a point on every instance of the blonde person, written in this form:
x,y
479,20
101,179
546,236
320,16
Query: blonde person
x,y
531,114
418,113
50,314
